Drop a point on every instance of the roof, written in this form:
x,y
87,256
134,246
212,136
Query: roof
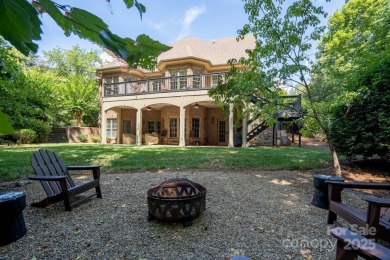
x,y
217,51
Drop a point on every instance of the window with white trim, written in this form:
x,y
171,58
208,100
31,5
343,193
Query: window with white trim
x,y
173,127
154,127
196,79
179,79
111,88
112,128
157,84
215,78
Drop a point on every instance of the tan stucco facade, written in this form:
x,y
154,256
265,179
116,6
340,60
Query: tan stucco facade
x,y
169,105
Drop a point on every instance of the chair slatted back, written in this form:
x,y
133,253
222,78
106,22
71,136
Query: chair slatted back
x,y
48,163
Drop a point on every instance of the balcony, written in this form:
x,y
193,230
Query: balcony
x,y
160,85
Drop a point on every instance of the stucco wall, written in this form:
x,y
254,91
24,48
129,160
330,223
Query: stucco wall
x,y
74,133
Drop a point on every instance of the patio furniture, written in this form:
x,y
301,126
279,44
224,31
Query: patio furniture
x,y
56,181
351,245
375,222
320,195
151,139
128,139
12,225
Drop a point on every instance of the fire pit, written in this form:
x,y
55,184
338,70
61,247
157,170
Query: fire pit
x,y
176,200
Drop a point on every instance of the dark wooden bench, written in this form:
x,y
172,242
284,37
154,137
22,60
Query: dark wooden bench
x,y
351,245
54,176
370,220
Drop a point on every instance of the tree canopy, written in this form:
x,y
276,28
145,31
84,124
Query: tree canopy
x,y
24,28
284,37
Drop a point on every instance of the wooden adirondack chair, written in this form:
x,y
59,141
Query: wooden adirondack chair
x,y
375,219
56,181
351,245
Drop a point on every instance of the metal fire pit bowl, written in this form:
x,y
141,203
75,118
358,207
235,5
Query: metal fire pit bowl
x,y
176,200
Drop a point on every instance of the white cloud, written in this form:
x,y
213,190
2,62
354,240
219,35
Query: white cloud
x,y
156,26
190,17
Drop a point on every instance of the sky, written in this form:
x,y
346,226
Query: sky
x,y
165,21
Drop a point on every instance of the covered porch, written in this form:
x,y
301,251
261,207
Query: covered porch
x,y
190,120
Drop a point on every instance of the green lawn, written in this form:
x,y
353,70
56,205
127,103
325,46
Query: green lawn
x,y
15,160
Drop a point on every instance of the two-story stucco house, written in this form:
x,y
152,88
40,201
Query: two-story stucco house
x,y
170,105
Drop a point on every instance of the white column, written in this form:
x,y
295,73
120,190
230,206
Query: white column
x,y
244,130
103,125
182,140
139,127
231,143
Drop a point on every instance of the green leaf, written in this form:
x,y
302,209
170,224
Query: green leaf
x,y
52,10
129,3
5,125
23,25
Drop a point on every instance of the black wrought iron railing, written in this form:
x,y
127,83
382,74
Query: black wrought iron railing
x,y
153,85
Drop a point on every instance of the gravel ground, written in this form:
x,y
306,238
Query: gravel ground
x,y
260,214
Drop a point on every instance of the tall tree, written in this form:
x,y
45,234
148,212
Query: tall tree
x,y
284,39
355,56
75,85
358,37
23,27
24,100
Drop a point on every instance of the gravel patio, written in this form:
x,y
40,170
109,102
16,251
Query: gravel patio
x,y
260,214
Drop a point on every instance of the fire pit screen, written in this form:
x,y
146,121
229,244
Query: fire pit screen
x,y
176,200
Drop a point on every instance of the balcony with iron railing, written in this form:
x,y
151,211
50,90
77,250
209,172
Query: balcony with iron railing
x,y
166,84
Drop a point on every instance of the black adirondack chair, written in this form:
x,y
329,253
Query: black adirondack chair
x,y
55,179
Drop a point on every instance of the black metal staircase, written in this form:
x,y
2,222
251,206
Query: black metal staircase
x,y
289,110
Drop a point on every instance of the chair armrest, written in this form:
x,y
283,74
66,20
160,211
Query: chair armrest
x,y
379,201
86,167
361,185
47,178
94,168
357,245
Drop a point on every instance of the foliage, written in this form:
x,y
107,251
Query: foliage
x,y
23,97
73,81
15,160
83,138
358,36
363,128
42,129
354,57
5,126
24,27
25,136
284,38
95,139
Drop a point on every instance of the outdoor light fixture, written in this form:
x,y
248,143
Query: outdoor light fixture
x,y
148,108
196,105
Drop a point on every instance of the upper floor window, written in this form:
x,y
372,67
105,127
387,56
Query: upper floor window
x,y
179,78
214,80
158,84
111,89
196,79
110,80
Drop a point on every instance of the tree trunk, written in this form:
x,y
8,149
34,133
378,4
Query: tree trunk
x,y
335,158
